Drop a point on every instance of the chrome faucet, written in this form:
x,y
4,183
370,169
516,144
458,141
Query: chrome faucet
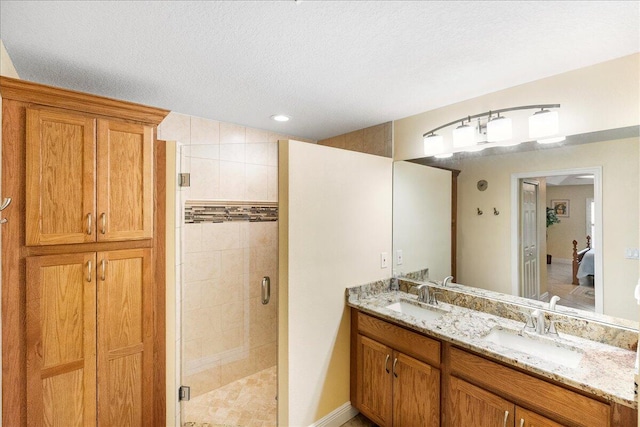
x,y
538,316
446,280
552,303
423,293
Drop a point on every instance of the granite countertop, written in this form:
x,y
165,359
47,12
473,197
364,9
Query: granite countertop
x,y
604,370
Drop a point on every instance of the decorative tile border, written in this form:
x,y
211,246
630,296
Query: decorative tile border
x,y
196,212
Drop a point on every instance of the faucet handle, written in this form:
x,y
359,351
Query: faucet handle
x,y
434,300
528,323
552,327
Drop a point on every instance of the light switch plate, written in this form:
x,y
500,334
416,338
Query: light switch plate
x,y
632,253
399,257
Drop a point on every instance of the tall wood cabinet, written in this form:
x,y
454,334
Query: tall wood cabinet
x,y
83,270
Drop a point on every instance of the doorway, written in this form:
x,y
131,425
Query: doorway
x,y
578,195
228,298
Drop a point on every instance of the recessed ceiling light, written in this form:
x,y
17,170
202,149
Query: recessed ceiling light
x,y
280,118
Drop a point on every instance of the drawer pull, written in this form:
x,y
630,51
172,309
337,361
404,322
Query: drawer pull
x,y
89,271
103,220
506,418
386,364
521,422
395,374
89,224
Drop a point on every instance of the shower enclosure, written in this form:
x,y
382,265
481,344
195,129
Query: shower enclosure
x,y
228,246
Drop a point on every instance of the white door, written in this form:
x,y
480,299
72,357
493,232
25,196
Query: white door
x,y
529,281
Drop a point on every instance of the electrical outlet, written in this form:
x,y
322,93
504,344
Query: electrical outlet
x,y
384,260
399,258
632,253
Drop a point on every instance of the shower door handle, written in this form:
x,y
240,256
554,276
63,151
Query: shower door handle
x,y
266,289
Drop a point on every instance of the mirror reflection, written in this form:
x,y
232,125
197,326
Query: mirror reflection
x,y
505,220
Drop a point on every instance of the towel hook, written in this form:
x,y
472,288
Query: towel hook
x,y
496,212
479,211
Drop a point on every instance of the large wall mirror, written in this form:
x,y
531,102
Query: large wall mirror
x,y
501,241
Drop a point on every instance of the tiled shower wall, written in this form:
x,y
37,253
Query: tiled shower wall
x,y
225,333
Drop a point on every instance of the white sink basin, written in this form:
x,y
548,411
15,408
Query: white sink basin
x,y
419,312
540,348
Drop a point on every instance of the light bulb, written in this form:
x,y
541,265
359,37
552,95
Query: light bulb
x,y
464,136
433,144
499,129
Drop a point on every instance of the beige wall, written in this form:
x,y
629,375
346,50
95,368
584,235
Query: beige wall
x,y
422,219
573,227
373,140
484,242
336,224
603,96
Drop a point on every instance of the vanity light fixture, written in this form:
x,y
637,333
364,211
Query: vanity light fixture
x,y
543,127
280,118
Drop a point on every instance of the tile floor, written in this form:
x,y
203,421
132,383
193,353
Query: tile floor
x,y
247,402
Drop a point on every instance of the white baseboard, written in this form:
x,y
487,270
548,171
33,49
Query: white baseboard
x,y
555,260
337,417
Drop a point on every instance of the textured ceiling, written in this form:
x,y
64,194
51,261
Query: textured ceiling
x,y
332,66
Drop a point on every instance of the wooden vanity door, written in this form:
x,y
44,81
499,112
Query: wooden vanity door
x,y
472,406
61,340
60,177
125,334
525,418
375,379
416,393
125,181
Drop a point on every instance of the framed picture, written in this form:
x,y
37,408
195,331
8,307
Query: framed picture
x,y
560,207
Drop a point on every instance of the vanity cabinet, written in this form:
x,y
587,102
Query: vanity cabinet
x,y
473,406
88,179
395,388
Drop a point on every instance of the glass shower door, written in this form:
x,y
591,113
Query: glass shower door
x,y
228,297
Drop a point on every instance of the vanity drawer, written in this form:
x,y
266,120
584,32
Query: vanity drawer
x,y
410,343
528,391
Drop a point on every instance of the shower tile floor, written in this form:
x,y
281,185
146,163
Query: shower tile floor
x,y
247,402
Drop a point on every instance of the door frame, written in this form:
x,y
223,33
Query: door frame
x,y
596,171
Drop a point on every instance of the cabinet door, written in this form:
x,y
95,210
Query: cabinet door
x,y
125,181
472,406
60,178
416,393
375,381
125,333
525,418
61,340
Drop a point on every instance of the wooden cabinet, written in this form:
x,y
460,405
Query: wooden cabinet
x,y
83,260
474,406
89,316
87,179
393,388
396,381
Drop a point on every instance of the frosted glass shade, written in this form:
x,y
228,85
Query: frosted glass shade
x,y
499,129
543,124
433,144
464,136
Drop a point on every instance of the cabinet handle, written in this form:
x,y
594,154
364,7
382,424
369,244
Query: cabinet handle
x,y
89,271
506,418
521,422
89,223
103,221
103,265
386,364
266,290
395,374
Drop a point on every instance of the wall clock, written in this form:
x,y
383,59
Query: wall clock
x,y
482,185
